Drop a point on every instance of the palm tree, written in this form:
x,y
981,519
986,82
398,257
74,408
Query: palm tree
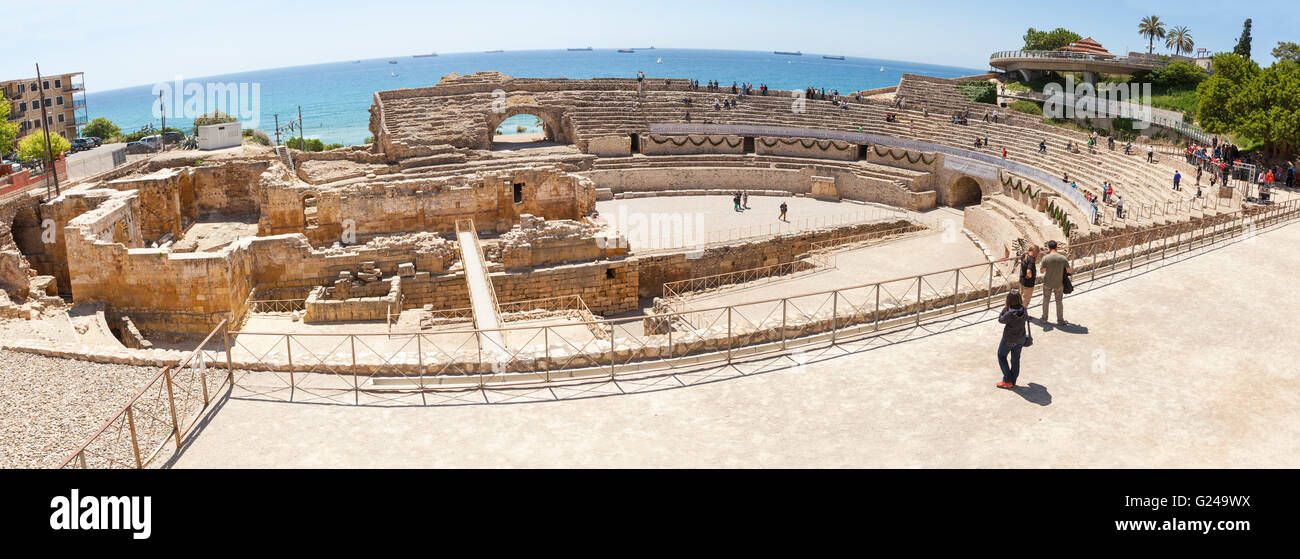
x,y
1180,39
1153,28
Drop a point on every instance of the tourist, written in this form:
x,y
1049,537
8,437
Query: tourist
x,y
1107,193
1199,169
735,202
688,116
1054,268
1119,207
1110,143
1128,148
986,116
1028,274
1015,334
1178,177
1042,146
640,77
995,116
744,199
977,143
784,208
1004,153
1151,154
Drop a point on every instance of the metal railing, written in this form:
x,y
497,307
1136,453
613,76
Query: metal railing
x,y
160,414
1066,55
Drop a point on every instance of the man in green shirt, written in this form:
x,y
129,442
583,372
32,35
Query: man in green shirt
x,y
1055,266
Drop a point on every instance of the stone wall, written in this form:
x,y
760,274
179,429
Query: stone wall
x,y
654,271
337,304
536,243
807,147
610,146
655,144
374,209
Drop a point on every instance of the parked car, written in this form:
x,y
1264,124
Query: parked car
x,y
172,137
98,141
154,141
81,144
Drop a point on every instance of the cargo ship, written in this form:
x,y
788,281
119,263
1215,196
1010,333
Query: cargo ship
x,y
425,55
626,51
829,57
579,50
796,53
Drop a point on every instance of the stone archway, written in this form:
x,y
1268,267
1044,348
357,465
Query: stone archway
x,y
965,191
552,122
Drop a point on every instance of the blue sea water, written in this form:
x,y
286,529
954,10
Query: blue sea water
x,y
335,97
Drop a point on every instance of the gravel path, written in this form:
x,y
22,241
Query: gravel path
x,y
50,406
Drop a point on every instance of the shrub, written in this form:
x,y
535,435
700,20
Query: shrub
x,y
1026,107
257,137
101,128
32,147
979,91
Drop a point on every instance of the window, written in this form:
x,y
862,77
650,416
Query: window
x,y
58,84
36,123
45,84
58,100
22,106
519,193
60,117
22,87
609,273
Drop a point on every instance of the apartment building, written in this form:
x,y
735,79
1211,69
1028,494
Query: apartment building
x,y
64,98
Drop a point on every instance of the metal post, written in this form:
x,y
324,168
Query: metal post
x,y
478,342
877,307
835,322
288,347
918,300
546,348
171,402
956,286
419,359
988,300
783,304
135,444
356,383
728,335
230,368
612,347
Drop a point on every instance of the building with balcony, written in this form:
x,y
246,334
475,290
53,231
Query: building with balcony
x,y
63,97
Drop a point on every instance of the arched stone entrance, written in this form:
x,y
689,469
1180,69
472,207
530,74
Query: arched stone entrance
x,y
965,191
552,122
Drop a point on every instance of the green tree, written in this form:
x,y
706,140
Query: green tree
x,y
32,147
1152,28
100,128
1243,43
1180,39
1262,105
1178,74
1287,51
1049,40
8,130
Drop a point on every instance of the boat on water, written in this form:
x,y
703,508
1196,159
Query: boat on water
x,y
493,51
626,51
393,61
795,53
882,68
660,61
579,50
425,55
829,57
394,74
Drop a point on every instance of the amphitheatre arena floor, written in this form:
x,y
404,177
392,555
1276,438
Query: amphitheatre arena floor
x,y
1186,364
667,222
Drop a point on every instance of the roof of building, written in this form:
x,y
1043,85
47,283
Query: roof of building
x,y
1087,46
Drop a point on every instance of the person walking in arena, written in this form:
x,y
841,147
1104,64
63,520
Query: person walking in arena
x,y
1015,337
1054,268
784,208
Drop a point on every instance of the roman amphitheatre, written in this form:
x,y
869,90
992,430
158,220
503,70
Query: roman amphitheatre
x,y
445,297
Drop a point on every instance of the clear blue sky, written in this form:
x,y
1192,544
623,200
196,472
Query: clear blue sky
x,y
138,42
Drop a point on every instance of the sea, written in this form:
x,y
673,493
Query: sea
x,y
335,97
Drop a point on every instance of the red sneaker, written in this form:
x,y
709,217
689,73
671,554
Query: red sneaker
x,y
1006,385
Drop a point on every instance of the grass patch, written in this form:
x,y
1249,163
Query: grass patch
x,y
1029,107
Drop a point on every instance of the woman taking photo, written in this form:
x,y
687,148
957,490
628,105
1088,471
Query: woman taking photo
x,y
1015,336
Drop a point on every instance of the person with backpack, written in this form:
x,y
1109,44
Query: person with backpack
x,y
1028,274
1015,337
784,208
1054,269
